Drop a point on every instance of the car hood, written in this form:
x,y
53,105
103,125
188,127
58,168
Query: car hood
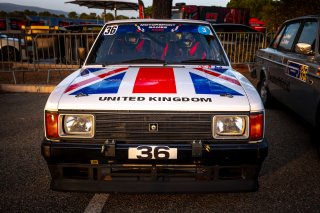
x,y
152,88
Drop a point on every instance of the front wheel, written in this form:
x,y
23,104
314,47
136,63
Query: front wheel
x,y
9,53
264,92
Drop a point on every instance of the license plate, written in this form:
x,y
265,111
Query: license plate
x,y
146,152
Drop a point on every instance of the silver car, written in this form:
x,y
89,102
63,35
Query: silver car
x,y
289,69
12,49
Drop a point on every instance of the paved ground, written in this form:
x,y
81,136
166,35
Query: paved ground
x,y
289,179
40,78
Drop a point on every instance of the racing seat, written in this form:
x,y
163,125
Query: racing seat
x,y
170,51
144,47
118,47
197,51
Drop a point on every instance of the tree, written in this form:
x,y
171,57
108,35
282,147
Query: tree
x,y
30,13
45,14
148,12
3,14
83,16
119,17
108,16
275,12
72,15
162,9
255,6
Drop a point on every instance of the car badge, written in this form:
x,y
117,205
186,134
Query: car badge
x,y
153,127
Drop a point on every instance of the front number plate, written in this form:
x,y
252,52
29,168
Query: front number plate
x,y
146,152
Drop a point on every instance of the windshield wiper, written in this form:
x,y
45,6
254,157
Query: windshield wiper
x,y
202,61
143,60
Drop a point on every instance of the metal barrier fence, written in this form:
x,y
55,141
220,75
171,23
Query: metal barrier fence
x,y
242,46
43,52
61,51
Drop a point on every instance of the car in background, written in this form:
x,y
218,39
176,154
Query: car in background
x,y
11,48
81,28
237,33
289,69
156,106
229,27
240,41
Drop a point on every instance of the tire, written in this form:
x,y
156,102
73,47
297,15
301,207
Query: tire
x,y
315,136
264,93
10,54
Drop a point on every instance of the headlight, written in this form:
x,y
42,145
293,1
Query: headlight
x,y
77,125
230,127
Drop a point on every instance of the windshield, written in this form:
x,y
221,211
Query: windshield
x,y
154,43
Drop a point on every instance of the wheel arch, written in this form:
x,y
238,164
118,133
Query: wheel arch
x,y
262,72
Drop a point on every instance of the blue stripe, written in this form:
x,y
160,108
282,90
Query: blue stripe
x,y
106,86
220,70
205,86
89,70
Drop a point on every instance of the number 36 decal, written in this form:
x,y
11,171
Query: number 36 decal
x,y
146,152
110,30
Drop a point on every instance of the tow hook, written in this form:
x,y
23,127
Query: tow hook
x,y
109,148
197,148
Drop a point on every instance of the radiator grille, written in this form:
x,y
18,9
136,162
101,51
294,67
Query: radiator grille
x,y
172,126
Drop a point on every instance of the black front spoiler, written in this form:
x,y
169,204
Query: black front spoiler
x,y
154,178
152,187
221,168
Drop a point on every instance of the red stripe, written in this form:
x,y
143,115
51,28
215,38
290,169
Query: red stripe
x,y
219,76
165,50
155,80
194,48
139,46
87,81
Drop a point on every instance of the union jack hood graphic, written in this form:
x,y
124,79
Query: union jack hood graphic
x,y
154,88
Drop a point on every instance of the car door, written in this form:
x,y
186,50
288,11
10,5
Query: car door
x,y
278,56
301,97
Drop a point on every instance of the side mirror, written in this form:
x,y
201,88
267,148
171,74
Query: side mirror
x,y
303,48
82,54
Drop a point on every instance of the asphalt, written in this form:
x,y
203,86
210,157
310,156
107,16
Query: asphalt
x,y
32,88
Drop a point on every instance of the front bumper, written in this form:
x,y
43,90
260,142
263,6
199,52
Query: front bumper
x,y
214,167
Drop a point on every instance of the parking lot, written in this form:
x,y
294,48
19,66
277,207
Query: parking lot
x,y
290,178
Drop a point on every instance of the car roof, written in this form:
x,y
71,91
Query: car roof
x,y
231,27
304,17
158,20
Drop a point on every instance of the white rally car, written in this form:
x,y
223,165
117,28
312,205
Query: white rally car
x,y
155,107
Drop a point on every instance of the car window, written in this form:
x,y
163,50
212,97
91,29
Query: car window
x,y
170,43
289,35
277,38
309,33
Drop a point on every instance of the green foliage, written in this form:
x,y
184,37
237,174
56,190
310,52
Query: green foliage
x,y
3,14
88,16
119,17
275,12
73,14
45,14
148,12
109,17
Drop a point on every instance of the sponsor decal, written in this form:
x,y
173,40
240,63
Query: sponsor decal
x,y
218,73
111,30
153,99
87,71
155,80
298,71
202,86
157,27
93,79
159,80
204,30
